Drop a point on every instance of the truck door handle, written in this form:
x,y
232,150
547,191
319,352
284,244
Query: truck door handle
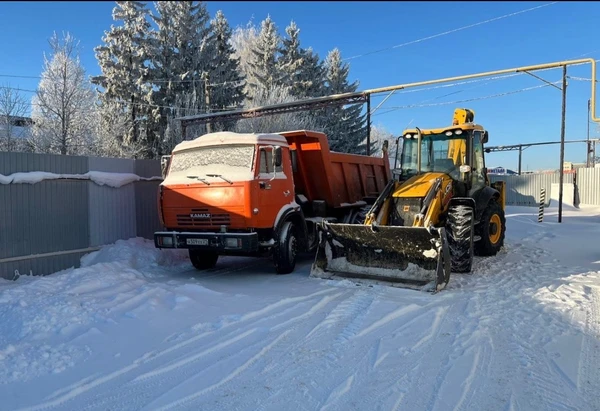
x,y
286,193
264,185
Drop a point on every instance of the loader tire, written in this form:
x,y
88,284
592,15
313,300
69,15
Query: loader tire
x,y
202,259
284,254
491,230
459,231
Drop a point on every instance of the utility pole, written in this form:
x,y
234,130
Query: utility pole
x,y
562,142
520,154
369,125
588,145
207,101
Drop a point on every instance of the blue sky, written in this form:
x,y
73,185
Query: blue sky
x,y
564,30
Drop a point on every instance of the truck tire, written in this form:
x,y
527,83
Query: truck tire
x,y
202,259
459,231
491,230
284,254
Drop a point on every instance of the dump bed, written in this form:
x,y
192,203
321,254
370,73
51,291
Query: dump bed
x,y
337,178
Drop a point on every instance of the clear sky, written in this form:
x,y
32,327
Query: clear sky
x,y
563,30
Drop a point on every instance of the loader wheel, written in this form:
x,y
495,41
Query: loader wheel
x,y
491,230
202,259
459,231
284,254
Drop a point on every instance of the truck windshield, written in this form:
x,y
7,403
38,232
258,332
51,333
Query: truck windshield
x,y
233,162
439,153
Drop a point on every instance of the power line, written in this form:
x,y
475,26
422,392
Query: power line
x,y
451,31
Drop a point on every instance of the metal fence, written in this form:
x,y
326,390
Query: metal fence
x,y
524,190
47,226
588,185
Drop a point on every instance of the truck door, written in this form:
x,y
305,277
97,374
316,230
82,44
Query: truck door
x,y
275,187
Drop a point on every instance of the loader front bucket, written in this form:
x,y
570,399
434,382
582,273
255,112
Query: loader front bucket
x,y
410,257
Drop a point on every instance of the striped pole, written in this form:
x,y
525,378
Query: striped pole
x,y
542,202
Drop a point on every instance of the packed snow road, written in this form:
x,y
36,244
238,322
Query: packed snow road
x,y
136,328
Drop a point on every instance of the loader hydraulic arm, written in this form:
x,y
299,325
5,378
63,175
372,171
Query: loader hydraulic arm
x,y
420,220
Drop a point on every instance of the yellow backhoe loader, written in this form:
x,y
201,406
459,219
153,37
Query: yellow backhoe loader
x,y
437,212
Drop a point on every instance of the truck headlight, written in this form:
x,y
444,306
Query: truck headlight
x,y
167,241
232,242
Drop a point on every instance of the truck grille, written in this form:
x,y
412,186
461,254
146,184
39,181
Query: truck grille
x,y
214,220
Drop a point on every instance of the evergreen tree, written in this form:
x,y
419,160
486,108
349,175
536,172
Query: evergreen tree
x,y
227,82
124,78
344,126
264,73
181,62
300,68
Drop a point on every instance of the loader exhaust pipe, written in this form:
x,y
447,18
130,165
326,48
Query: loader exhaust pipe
x,y
418,150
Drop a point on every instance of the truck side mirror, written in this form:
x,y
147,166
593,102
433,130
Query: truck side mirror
x,y
484,140
164,165
277,157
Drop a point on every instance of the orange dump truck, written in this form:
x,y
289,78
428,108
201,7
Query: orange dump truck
x,y
237,194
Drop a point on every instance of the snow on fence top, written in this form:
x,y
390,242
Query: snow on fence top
x,y
99,177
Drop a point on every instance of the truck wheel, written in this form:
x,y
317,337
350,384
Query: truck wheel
x,y
284,254
459,230
202,259
491,230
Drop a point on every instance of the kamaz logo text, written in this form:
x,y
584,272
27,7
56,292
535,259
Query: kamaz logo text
x,y
200,215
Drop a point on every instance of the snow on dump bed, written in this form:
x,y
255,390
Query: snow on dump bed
x,y
137,328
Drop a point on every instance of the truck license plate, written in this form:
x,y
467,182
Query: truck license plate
x,y
197,241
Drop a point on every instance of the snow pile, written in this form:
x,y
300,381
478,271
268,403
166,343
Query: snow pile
x,y
139,328
99,177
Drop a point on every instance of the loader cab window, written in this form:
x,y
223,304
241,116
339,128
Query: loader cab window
x,y
478,172
439,153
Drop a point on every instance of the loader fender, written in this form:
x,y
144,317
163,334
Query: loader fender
x,y
482,198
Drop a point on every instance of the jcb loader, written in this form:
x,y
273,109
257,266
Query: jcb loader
x,y
437,212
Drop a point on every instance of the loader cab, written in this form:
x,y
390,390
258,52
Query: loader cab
x,y
456,151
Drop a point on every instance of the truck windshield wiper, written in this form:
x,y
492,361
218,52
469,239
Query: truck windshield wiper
x,y
201,179
220,176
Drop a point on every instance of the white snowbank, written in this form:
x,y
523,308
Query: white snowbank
x,y
139,328
98,177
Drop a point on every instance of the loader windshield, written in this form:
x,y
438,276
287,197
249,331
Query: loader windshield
x,y
439,153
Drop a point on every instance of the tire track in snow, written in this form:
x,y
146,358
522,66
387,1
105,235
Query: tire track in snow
x,y
83,388
588,378
138,390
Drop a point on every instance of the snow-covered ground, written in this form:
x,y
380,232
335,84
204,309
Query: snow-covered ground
x,y
136,328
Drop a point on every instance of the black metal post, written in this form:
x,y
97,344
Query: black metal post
x,y
588,146
369,125
520,156
562,142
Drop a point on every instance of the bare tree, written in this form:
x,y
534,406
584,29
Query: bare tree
x,y
63,102
13,107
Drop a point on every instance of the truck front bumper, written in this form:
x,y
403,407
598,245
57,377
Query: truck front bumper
x,y
222,242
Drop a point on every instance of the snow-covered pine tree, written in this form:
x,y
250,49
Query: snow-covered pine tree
x,y
227,82
344,126
263,71
181,62
64,102
123,60
243,40
300,68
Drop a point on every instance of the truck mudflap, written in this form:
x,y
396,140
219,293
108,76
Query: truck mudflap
x,y
408,257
